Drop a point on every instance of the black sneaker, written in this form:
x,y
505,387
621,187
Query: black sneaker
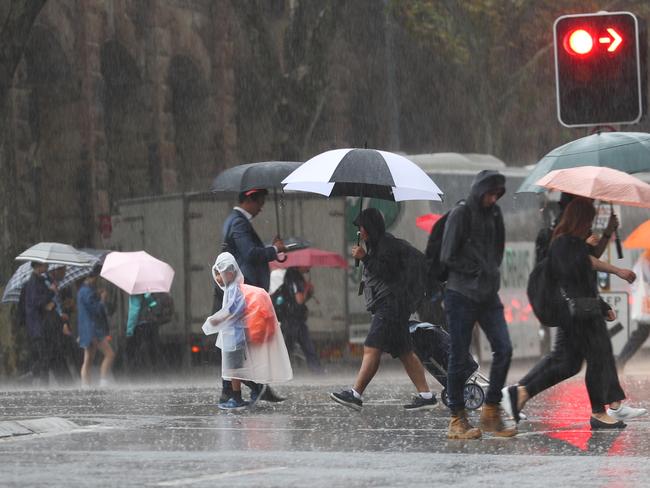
x,y
420,403
347,398
270,396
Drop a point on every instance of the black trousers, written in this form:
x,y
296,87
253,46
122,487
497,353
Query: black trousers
x,y
143,348
576,343
39,355
298,332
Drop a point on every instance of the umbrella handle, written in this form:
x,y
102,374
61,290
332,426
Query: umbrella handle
x,y
356,261
619,248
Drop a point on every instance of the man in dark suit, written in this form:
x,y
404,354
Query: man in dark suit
x,y
241,240
253,257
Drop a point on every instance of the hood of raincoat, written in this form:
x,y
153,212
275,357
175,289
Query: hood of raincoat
x,y
373,221
224,263
485,181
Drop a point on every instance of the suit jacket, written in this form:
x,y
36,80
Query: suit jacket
x,y
250,252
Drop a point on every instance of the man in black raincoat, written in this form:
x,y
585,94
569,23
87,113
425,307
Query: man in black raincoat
x,y
384,276
472,249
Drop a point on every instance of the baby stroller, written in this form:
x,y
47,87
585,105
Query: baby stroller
x,y
431,344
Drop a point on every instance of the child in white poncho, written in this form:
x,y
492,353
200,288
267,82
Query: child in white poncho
x,y
250,339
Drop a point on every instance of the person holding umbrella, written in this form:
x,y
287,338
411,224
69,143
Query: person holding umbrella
x,y
296,292
385,296
253,257
580,337
39,301
93,329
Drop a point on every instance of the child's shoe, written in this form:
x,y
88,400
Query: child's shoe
x,y
233,404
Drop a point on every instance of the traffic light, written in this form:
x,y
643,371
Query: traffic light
x,y
599,69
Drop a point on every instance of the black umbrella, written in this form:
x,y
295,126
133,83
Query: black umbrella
x,y
244,177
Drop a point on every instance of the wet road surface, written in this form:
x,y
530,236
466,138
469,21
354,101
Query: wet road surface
x,y
173,435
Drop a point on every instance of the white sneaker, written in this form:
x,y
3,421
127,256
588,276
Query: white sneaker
x,y
625,412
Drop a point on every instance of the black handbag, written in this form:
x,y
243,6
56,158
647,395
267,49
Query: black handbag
x,y
583,308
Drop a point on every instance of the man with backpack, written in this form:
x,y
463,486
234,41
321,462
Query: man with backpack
x,y
386,291
472,249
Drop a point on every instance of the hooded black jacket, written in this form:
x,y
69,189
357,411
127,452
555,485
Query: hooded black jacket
x,y
473,255
382,267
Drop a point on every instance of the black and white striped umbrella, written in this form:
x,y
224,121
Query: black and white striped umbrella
x,y
365,173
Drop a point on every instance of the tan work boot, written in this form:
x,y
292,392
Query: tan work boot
x,y
491,421
460,428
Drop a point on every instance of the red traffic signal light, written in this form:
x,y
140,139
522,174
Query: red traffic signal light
x,y
599,69
579,42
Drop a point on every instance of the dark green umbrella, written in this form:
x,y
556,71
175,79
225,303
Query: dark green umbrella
x,y
625,151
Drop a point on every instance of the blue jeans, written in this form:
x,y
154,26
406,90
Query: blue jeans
x,y
462,314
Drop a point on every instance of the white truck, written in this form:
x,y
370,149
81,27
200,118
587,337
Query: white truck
x,y
185,231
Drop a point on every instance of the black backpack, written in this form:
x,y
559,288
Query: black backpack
x,y
543,294
437,273
280,301
157,308
414,282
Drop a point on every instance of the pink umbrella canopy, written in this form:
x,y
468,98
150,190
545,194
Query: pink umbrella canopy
x,y
137,272
599,183
311,258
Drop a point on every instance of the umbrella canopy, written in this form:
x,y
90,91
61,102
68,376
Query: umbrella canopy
x,y
267,174
244,177
427,221
639,238
24,271
599,183
16,283
56,253
626,151
311,258
137,272
364,173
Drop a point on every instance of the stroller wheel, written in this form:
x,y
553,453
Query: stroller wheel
x,y
444,397
474,396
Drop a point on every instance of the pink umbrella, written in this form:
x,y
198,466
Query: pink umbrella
x,y
137,272
601,183
427,221
312,258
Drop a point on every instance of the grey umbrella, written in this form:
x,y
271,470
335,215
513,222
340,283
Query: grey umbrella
x,y
625,151
244,177
56,253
